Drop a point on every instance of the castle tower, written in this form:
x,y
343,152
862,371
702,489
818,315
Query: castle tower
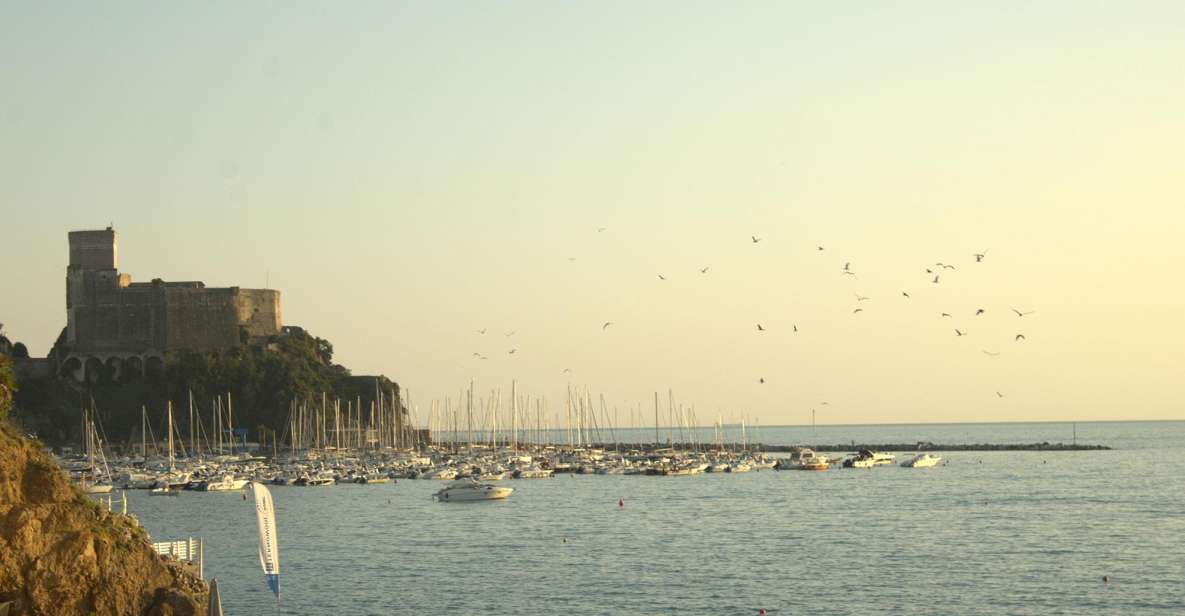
x,y
92,279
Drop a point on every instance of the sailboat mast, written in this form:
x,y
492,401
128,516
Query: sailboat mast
x,y
171,465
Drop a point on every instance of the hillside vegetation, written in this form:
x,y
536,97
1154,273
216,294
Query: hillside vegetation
x,y
262,382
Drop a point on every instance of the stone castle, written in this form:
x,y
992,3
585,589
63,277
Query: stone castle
x,y
119,328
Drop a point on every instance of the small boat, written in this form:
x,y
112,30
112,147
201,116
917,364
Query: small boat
x,y
922,460
319,479
163,491
469,490
534,473
808,460
97,488
227,483
369,478
868,459
444,473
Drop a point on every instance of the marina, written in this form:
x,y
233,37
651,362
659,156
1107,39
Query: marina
x,y
330,442
722,543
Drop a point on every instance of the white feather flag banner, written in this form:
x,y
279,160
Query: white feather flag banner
x,y
269,549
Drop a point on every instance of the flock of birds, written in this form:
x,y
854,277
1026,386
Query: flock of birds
x,y
934,270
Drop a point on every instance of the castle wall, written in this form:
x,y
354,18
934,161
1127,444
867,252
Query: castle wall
x,y
110,316
201,319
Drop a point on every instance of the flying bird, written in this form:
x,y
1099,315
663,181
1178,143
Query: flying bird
x,y
929,271
760,328
1019,337
761,380
959,333
946,314
512,351
477,354
979,256
796,328
566,370
600,229
1021,314
905,294
755,238
849,273
511,333
857,310
935,281
820,248
847,266
606,325
980,311
861,298
948,267
704,271
481,331
989,353
999,395
661,277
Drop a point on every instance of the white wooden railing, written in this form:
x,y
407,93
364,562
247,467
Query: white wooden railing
x,y
190,549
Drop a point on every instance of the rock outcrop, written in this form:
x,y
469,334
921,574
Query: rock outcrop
x,y
61,553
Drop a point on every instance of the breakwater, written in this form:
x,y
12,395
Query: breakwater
x,y
854,446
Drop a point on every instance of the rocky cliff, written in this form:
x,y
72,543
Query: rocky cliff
x,y
61,553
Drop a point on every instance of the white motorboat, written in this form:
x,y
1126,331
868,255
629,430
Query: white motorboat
x,y
922,460
164,491
319,479
805,460
226,483
535,473
445,473
868,459
469,490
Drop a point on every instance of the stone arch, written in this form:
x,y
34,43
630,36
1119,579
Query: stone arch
x,y
133,369
154,367
72,368
92,369
113,369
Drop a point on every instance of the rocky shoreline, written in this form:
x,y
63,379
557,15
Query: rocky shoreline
x,y
61,553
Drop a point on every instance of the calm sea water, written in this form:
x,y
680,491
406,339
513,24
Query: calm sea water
x,y
988,533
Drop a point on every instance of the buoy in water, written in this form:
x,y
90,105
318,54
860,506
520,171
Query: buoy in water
x,y
761,611
620,503
1106,579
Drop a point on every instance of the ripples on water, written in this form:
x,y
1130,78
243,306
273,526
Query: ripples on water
x,y
993,532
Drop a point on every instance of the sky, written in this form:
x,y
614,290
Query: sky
x,y
407,174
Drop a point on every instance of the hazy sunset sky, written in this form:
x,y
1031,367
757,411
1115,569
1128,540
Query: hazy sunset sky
x,y
410,173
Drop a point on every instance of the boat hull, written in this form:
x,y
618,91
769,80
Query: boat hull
x,y
465,495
